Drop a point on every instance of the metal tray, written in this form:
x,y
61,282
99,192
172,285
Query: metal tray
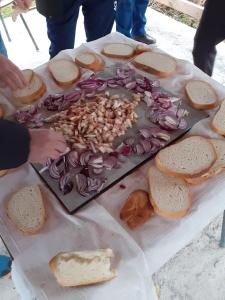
x,y
73,200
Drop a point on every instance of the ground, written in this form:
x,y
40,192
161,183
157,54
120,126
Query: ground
x,y
197,272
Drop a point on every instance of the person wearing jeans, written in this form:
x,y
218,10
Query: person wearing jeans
x,y
3,50
131,20
210,32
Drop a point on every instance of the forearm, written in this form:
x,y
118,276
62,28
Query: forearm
x,y
14,144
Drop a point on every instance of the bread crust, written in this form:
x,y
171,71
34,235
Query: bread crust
x,y
118,55
97,65
202,106
62,83
165,213
3,172
169,172
2,112
153,71
213,125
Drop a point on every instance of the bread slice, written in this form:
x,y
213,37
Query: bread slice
x,y
169,196
137,209
3,172
82,268
201,95
118,50
33,91
217,167
191,157
28,74
65,72
90,61
26,209
155,63
218,121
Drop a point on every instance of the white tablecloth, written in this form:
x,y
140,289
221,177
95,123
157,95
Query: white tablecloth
x,y
138,253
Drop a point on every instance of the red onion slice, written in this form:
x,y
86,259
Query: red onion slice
x,y
81,184
147,146
73,158
85,157
96,161
65,184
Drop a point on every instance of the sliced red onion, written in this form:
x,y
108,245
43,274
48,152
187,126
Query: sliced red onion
x,y
163,136
139,150
182,124
130,85
157,143
66,184
110,162
96,161
56,168
81,184
73,158
125,150
26,113
129,141
147,146
85,157
146,132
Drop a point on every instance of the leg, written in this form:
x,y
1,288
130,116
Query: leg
x,y
3,50
61,32
99,17
139,19
29,32
5,28
209,33
222,239
124,16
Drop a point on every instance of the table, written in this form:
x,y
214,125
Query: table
x,y
138,254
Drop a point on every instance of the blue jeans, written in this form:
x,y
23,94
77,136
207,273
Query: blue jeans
x,y
99,16
3,50
130,17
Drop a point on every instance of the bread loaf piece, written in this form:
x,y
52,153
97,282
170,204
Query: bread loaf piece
x,y
201,95
155,63
82,268
218,121
26,209
91,61
3,172
169,196
189,158
34,90
65,72
137,209
118,50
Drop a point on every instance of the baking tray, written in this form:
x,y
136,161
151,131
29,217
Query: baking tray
x,y
73,200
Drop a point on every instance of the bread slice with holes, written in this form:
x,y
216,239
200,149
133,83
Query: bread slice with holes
x,y
155,63
64,72
82,268
218,121
26,209
169,196
34,90
217,167
201,95
118,50
189,158
91,61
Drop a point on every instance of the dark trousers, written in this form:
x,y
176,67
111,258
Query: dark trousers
x,y
99,16
3,50
211,31
130,17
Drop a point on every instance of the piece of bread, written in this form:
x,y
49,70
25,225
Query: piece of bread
x,y
34,90
89,60
26,209
218,121
155,63
191,157
65,72
169,196
82,268
201,95
3,172
118,50
217,167
141,48
137,209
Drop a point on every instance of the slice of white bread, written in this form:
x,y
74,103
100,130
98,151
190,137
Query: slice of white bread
x,y
217,167
118,50
201,95
169,196
89,60
155,63
34,90
82,268
218,121
3,172
64,72
26,209
191,157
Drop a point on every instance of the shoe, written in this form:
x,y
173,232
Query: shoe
x,y
146,39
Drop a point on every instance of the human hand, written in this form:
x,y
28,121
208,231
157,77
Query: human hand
x,y
10,74
45,144
22,4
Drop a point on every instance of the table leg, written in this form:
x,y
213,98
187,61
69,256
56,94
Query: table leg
x,y
29,32
5,28
222,239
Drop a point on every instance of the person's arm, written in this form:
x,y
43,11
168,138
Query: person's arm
x,y
14,144
19,145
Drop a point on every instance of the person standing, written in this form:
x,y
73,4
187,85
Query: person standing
x,y
131,20
210,32
61,17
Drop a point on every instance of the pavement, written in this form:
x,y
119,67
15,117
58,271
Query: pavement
x,y
197,272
